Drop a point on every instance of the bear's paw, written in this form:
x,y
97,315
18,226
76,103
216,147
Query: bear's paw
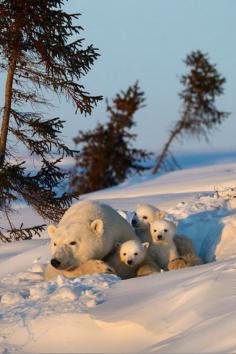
x,y
177,263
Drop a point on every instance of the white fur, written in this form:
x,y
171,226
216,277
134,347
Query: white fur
x,y
133,253
129,258
163,248
144,215
88,230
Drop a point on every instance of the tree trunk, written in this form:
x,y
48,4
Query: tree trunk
x,y
7,107
162,156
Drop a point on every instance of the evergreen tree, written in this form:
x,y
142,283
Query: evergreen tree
x,y
202,84
107,155
40,51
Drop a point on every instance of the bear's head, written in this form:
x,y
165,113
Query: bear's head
x,y
162,231
133,252
144,215
76,243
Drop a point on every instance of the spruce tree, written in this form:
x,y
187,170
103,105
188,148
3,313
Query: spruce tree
x,y
201,86
107,154
41,53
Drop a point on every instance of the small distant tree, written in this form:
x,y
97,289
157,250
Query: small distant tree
x,y
202,84
40,52
107,155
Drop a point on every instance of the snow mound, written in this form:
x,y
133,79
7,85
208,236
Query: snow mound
x,y
227,193
9,298
187,311
64,293
209,221
25,295
227,244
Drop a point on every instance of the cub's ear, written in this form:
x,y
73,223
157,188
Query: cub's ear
x,y
175,222
97,226
161,214
118,244
52,230
146,244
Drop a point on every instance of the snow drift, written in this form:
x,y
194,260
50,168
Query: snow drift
x,y
189,310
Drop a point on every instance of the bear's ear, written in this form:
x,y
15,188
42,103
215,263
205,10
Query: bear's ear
x,y
146,244
52,230
118,244
175,222
161,214
97,226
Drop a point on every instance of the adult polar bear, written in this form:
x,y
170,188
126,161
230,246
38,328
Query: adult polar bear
x,y
87,233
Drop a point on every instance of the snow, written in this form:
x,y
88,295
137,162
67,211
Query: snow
x,y
192,310
183,181
188,311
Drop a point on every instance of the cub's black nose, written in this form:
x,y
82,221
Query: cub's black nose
x,y
134,222
159,237
129,262
55,263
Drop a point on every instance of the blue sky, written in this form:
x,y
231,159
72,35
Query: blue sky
x,y
147,40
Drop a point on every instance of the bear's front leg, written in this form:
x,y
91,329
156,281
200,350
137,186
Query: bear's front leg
x,y
147,268
177,263
89,267
92,267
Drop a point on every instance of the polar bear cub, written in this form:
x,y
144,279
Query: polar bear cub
x,y
163,248
144,215
131,259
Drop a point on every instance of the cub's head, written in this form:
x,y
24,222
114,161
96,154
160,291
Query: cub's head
x,y
162,230
133,253
144,215
73,244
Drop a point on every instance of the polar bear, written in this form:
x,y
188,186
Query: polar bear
x,y
144,215
164,249
131,259
87,232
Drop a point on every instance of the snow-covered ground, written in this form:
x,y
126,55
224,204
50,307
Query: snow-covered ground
x,y
188,311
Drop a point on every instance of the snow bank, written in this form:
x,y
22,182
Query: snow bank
x,y
189,310
27,302
182,181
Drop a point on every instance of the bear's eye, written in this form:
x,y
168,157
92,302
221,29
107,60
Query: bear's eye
x,y
135,253
145,217
124,254
73,243
54,244
155,230
165,230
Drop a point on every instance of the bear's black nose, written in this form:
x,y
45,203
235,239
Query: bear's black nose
x,y
129,261
134,222
55,263
159,237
